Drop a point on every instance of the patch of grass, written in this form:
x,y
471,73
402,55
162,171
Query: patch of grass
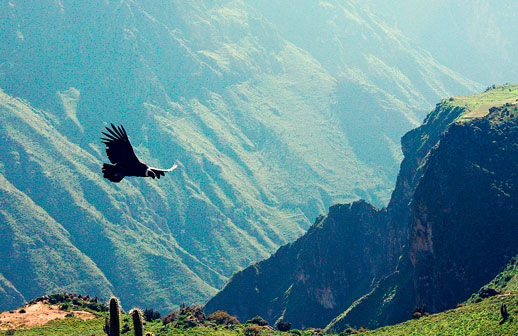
x,y
69,326
76,327
478,105
481,318
506,282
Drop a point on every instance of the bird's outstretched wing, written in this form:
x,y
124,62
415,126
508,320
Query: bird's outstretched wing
x,y
161,172
118,146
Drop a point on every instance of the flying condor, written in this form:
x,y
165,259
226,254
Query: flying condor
x,y
123,158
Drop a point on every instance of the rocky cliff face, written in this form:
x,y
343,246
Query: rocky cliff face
x,y
462,221
318,276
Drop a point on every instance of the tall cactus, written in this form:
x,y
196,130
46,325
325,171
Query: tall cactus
x,y
114,317
136,315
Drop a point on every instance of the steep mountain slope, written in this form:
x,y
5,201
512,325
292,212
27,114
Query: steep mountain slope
x,y
462,218
371,62
263,129
367,244
505,283
472,37
480,315
302,278
75,240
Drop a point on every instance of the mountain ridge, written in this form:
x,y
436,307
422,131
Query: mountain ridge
x,y
419,146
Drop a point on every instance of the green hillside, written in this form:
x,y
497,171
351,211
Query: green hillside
x,y
478,105
482,318
480,315
487,143
85,247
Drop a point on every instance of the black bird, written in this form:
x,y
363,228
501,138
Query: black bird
x,y
125,162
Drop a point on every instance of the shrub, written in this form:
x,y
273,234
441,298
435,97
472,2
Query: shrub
x,y
283,326
296,332
151,315
349,331
10,332
58,297
252,331
419,312
171,317
186,317
257,320
195,311
125,328
97,306
186,321
486,292
71,314
222,317
22,311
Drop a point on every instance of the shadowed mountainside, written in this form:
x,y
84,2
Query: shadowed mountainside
x,y
462,218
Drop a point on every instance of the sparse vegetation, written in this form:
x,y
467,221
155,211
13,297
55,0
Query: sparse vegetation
x,y
483,318
151,315
222,317
492,316
283,325
252,331
257,320
479,105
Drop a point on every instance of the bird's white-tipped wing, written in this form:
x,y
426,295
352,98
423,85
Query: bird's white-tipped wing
x,y
161,172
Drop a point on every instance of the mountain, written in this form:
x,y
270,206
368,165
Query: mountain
x,y
471,37
452,207
269,129
324,271
462,216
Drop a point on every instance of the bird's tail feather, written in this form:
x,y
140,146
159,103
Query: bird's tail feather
x,y
112,173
